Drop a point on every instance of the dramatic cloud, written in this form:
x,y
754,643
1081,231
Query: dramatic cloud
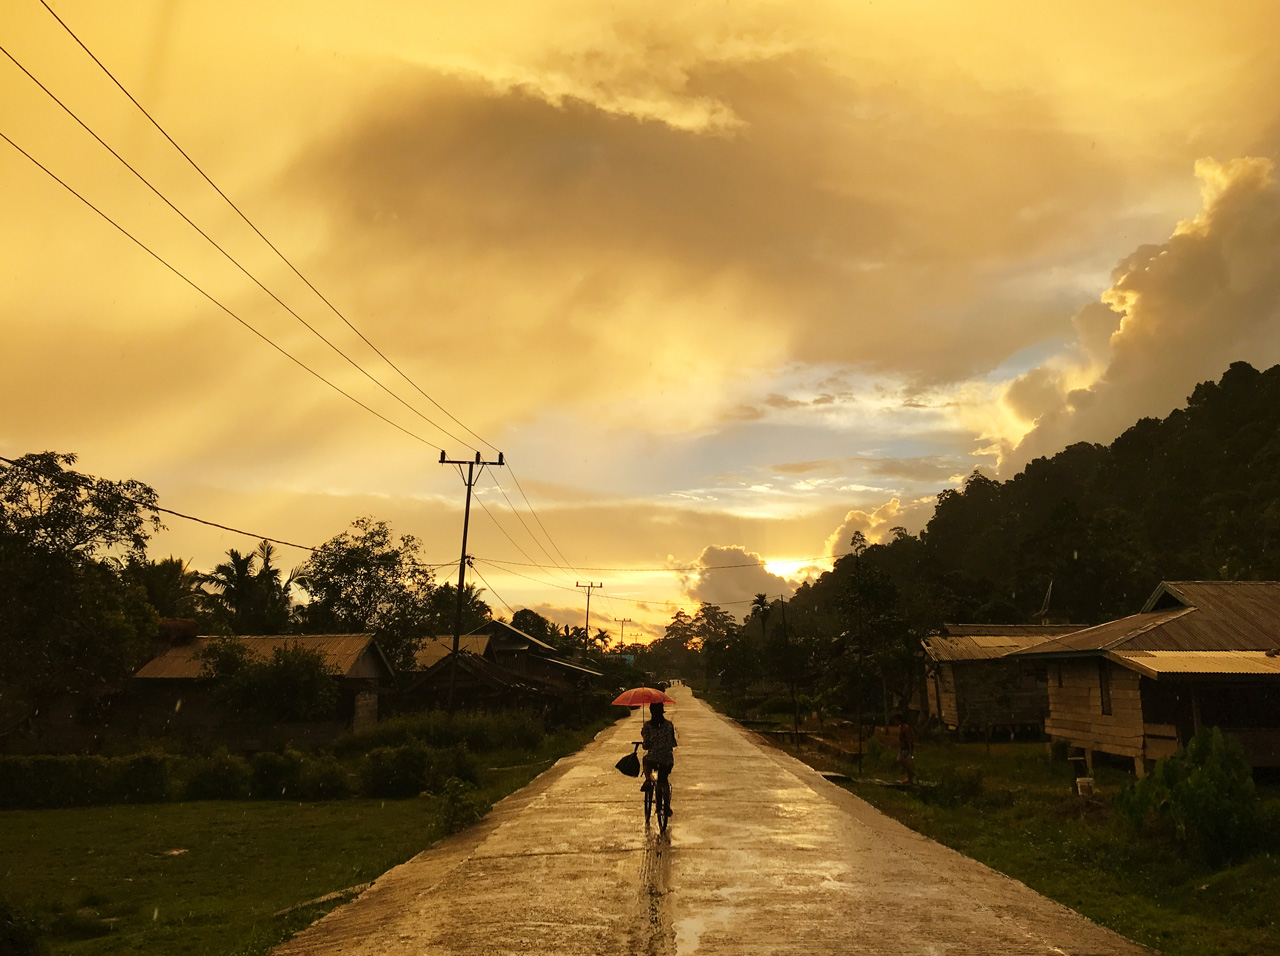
x,y
873,524
730,576
1177,313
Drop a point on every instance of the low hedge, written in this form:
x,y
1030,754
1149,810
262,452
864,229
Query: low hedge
x,y
479,732
47,782
44,782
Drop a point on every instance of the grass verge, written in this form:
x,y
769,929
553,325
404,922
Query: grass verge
x,y
207,878
1022,820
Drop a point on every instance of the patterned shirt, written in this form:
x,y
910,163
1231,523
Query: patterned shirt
x,y
659,740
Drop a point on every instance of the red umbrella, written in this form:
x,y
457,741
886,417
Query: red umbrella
x,y
639,696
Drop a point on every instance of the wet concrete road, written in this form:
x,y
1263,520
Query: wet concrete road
x,y
763,856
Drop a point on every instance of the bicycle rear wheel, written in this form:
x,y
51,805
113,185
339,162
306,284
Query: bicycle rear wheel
x,y
648,804
664,805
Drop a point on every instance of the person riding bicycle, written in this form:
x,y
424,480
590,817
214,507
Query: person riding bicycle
x,y
658,737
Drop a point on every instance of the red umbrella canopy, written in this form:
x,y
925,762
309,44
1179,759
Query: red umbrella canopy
x,y
639,696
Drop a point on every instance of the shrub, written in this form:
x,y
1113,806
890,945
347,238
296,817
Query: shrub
x,y
220,776
276,775
395,771
64,781
295,684
463,805
1204,793
146,777
323,778
413,768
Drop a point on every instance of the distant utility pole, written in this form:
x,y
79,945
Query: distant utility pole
x,y
590,586
471,479
624,621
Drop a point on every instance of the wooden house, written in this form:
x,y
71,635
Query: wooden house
x,y
176,678
501,662
973,685
1200,653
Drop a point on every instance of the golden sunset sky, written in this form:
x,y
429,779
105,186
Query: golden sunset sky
x,y
724,282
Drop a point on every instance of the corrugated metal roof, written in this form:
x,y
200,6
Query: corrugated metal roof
x,y
435,648
1156,663
1039,631
984,642
182,662
1187,616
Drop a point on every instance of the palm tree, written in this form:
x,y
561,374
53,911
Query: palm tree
x,y
273,601
237,587
760,607
172,587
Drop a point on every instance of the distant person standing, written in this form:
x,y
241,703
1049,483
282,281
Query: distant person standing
x,y
907,749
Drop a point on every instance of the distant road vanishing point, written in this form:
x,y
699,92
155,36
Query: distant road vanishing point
x,y
762,856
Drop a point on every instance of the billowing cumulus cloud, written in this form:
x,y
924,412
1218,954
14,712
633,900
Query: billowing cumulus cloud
x,y
873,524
1177,313
731,575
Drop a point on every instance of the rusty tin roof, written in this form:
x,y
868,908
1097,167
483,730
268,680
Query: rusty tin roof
x,y
984,642
1244,663
434,648
342,651
1186,616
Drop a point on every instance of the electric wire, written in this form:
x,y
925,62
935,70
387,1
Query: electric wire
x,y
292,268
529,504
513,541
283,258
226,255
562,587
699,567
491,590
164,262
10,463
533,537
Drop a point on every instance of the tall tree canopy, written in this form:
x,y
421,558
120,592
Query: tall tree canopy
x,y
70,621
365,579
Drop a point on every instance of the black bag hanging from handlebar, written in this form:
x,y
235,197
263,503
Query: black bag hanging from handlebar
x,y
630,764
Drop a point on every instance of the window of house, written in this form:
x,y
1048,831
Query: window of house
x,y
1104,686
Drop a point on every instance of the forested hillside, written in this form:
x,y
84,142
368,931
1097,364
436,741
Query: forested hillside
x,y
1193,496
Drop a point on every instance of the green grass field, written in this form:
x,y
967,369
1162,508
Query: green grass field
x,y
1025,822
206,878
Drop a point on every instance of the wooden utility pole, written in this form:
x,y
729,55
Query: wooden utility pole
x,y
590,586
471,478
624,621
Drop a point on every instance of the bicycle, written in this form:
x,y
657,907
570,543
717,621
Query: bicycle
x,y
657,793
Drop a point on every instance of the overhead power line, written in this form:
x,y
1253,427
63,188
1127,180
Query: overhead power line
x,y
226,255
9,462
696,567
562,587
283,258
174,269
492,591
